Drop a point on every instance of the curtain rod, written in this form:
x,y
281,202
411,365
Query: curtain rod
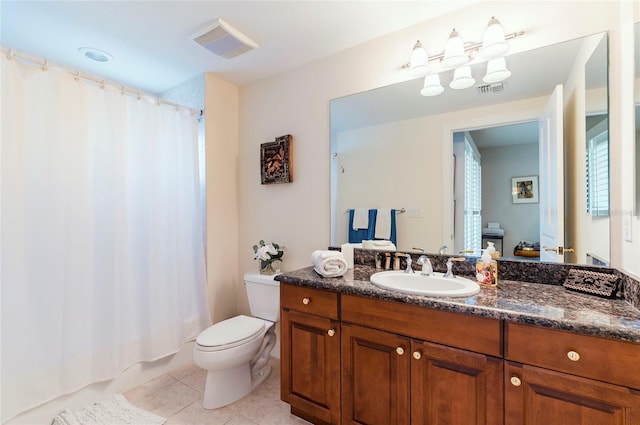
x,y
44,64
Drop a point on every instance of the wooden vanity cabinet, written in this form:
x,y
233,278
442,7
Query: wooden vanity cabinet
x,y
375,376
357,360
556,377
310,353
389,376
453,386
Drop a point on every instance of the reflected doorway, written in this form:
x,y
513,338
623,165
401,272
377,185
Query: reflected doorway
x,y
485,162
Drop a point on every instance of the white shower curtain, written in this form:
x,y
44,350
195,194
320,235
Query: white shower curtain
x,y
102,249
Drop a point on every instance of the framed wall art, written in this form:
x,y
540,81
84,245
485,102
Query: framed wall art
x,y
524,189
275,160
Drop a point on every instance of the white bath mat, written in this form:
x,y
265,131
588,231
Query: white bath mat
x,y
115,410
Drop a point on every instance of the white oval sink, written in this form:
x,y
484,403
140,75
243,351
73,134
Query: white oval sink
x,y
434,286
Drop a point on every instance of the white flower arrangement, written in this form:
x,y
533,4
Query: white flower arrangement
x,y
267,254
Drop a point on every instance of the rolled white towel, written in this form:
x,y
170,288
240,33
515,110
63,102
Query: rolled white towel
x,y
384,245
329,263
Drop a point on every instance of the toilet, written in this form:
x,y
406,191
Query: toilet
x,y
236,351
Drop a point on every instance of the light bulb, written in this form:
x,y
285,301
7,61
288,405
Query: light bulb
x,y
432,86
462,78
496,71
493,42
419,64
454,54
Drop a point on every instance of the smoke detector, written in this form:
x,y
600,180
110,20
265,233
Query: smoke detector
x,y
223,40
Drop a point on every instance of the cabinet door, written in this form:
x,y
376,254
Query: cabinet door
x,y
450,386
310,358
375,377
536,396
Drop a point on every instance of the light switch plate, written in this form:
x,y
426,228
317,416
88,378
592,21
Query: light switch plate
x,y
414,212
626,226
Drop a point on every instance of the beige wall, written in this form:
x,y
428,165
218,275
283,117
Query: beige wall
x,y
584,233
297,102
222,136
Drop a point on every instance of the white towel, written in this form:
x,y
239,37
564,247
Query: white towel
x,y
383,245
383,223
360,218
329,263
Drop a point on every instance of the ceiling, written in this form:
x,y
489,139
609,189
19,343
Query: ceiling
x,y
151,44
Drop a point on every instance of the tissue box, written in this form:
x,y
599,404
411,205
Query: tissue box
x,y
591,282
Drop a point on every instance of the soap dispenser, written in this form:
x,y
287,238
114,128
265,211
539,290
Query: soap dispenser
x,y
487,270
492,250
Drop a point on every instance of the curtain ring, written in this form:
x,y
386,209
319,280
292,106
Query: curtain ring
x,y
102,84
45,67
76,76
10,54
139,97
122,90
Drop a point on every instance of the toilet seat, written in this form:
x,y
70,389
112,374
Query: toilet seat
x,y
238,330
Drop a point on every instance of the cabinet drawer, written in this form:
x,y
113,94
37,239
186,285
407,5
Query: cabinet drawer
x,y
308,300
583,355
480,334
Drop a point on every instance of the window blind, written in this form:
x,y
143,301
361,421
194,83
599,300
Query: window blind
x,y
472,198
597,158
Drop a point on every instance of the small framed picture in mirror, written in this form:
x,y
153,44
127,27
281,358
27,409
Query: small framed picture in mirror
x,y
524,189
275,160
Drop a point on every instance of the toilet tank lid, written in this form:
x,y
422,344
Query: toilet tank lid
x,y
261,278
230,331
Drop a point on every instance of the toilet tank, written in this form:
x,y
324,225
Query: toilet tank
x,y
264,296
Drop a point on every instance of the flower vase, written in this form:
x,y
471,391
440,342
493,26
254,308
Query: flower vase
x,y
266,267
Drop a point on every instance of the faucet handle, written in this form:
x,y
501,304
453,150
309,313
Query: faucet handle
x,y
409,261
450,261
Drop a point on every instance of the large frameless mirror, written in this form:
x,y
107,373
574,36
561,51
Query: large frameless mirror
x,y
388,151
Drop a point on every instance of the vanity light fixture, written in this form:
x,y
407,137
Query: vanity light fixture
x,y
494,43
454,54
432,86
458,54
496,71
419,60
462,78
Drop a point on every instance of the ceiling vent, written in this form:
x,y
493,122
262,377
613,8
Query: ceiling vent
x,y
491,88
223,40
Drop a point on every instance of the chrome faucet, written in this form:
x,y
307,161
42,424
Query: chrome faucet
x,y
409,261
427,268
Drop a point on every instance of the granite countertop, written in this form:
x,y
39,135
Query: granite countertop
x,y
550,306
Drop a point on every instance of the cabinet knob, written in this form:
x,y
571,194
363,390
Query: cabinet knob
x,y
573,356
515,381
417,355
331,332
400,351
306,300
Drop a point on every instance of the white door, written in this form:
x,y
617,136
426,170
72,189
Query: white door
x,y
551,180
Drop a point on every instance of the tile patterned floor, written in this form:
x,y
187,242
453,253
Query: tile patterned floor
x,y
177,396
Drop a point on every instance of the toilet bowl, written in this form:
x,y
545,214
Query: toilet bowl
x,y
236,351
